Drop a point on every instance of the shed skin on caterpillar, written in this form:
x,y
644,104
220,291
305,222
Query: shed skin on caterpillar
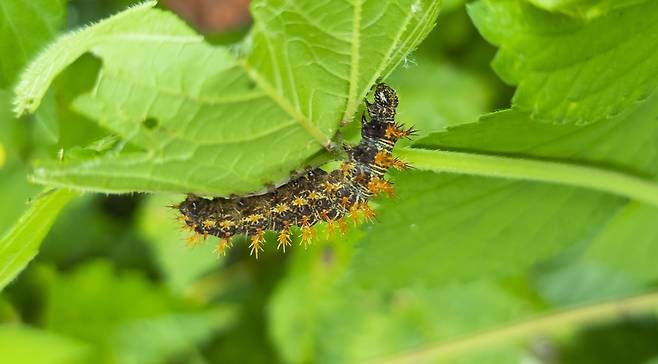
x,y
314,197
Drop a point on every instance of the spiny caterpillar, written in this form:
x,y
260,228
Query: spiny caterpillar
x,y
313,197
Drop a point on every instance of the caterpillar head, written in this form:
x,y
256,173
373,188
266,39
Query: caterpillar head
x,y
191,207
381,115
386,101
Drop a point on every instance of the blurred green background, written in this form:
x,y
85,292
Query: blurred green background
x,y
114,282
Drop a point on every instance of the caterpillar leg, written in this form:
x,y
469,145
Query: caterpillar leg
x,y
284,239
222,247
257,241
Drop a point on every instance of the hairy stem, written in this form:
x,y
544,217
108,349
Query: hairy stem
x,y
537,326
621,184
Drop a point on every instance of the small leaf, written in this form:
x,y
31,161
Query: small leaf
x,y
567,70
20,245
117,312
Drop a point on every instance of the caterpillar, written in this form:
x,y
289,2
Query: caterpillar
x,y
312,197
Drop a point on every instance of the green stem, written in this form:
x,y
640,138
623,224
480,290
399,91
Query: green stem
x,y
537,326
621,184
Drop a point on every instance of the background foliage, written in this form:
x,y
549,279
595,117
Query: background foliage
x,y
465,265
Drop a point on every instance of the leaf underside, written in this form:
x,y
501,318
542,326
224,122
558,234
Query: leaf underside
x,y
227,119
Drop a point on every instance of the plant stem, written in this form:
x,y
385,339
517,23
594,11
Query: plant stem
x,y
524,329
621,184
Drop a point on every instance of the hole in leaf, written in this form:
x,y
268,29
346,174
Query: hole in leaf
x,y
150,123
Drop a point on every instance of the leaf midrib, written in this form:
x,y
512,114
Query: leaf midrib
x,y
284,104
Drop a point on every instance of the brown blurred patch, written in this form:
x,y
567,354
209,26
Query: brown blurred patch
x,y
212,16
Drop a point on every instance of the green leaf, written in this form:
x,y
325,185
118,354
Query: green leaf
x,y
22,344
217,120
634,225
21,243
41,72
369,326
115,311
80,305
583,280
25,27
450,228
156,340
587,9
442,228
569,71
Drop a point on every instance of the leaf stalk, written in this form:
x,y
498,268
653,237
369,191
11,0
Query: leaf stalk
x,y
573,317
618,183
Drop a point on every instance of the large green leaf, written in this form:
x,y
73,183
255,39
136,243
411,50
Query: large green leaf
x,y
567,70
25,27
21,243
443,228
218,120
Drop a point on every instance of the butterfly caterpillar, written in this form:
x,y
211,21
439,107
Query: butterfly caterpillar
x,y
313,197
